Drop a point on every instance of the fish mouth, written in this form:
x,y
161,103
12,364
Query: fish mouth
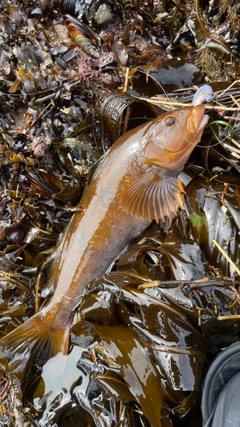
x,y
203,122
195,126
197,120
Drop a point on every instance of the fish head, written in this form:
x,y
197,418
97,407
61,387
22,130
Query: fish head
x,y
171,138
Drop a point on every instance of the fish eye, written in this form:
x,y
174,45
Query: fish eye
x,y
170,121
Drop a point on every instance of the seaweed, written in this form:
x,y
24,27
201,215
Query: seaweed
x,y
146,331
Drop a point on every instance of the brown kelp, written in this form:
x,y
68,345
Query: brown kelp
x,y
83,35
53,99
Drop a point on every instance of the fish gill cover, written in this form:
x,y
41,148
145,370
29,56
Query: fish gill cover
x,y
146,331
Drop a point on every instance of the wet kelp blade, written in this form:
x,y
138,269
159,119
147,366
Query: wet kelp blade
x,y
118,112
212,210
137,368
161,321
186,259
176,345
116,386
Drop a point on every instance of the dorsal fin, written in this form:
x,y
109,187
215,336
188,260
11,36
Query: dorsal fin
x,y
154,198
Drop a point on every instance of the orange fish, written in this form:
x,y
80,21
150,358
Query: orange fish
x,y
134,183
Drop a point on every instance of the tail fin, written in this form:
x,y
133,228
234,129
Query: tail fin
x,y
38,338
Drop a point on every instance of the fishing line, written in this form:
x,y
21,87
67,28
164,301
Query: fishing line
x,y
172,110
58,93
227,137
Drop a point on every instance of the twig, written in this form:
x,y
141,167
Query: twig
x,y
51,103
229,316
227,257
235,142
45,98
236,119
156,101
194,284
231,148
235,100
126,80
229,87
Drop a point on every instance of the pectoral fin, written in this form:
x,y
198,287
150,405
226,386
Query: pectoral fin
x,y
154,198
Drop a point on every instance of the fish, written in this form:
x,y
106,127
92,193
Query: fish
x,y
134,183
